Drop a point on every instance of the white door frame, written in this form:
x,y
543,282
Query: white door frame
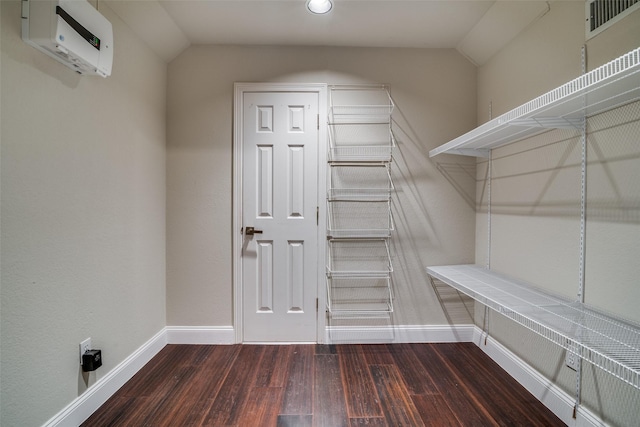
x,y
239,90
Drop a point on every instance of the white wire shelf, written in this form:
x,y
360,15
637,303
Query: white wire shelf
x,y
359,295
599,338
360,104
359,114
363,153
609,86
358,194
368,146
359,182
359,218
359,258
360,315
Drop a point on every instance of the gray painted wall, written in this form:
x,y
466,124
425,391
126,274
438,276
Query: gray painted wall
x,y
83,217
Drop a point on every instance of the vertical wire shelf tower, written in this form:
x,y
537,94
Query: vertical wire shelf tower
x,y
359,218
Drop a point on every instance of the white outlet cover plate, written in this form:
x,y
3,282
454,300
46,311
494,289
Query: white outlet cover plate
x,y
84,346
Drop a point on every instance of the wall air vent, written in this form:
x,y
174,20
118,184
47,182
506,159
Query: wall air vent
x,y
601,14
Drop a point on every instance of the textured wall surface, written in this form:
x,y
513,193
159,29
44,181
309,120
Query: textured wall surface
x,y
83,217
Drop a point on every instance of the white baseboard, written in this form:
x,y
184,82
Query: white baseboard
x,y
88,402
200,335
399,334
557,400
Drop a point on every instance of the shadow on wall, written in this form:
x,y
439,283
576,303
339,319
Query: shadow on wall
x,y
462,177
417,239
598,388
613,166
543,177
410,213
448,297
460,173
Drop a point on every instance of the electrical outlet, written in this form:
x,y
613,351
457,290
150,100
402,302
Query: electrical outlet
x,y
571,359
84,346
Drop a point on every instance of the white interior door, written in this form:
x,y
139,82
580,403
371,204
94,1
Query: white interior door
x,y
279,200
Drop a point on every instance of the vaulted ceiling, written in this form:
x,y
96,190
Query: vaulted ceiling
x,y
476,28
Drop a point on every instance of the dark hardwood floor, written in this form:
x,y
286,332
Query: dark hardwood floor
x,y
320,385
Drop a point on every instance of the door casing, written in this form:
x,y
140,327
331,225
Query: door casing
x,y
239,90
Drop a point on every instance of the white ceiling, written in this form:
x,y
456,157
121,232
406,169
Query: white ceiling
x,y
477,28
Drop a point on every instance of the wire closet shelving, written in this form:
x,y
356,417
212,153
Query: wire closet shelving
x,y
599,338
606,87
359,217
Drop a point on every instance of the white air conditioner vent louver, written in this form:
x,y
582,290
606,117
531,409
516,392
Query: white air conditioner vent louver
x,y
601,14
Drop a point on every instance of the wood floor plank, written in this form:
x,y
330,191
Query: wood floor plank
x,y
158,396
213,363
415,375
465,406
157,381
484,364
326,349
262,407
173,391
378,354
119,411
232,396
484,380
517,394
273,369
330,408
150,378
481,385
372,422
434,411
397,406
295,421
298,394
360,392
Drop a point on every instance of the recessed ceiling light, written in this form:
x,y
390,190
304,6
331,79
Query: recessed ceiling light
x,y
319,7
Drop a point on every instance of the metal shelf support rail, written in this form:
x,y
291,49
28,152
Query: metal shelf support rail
x,y
608,343
604,88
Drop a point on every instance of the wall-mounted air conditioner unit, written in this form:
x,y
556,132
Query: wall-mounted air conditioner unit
x,y
71,32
